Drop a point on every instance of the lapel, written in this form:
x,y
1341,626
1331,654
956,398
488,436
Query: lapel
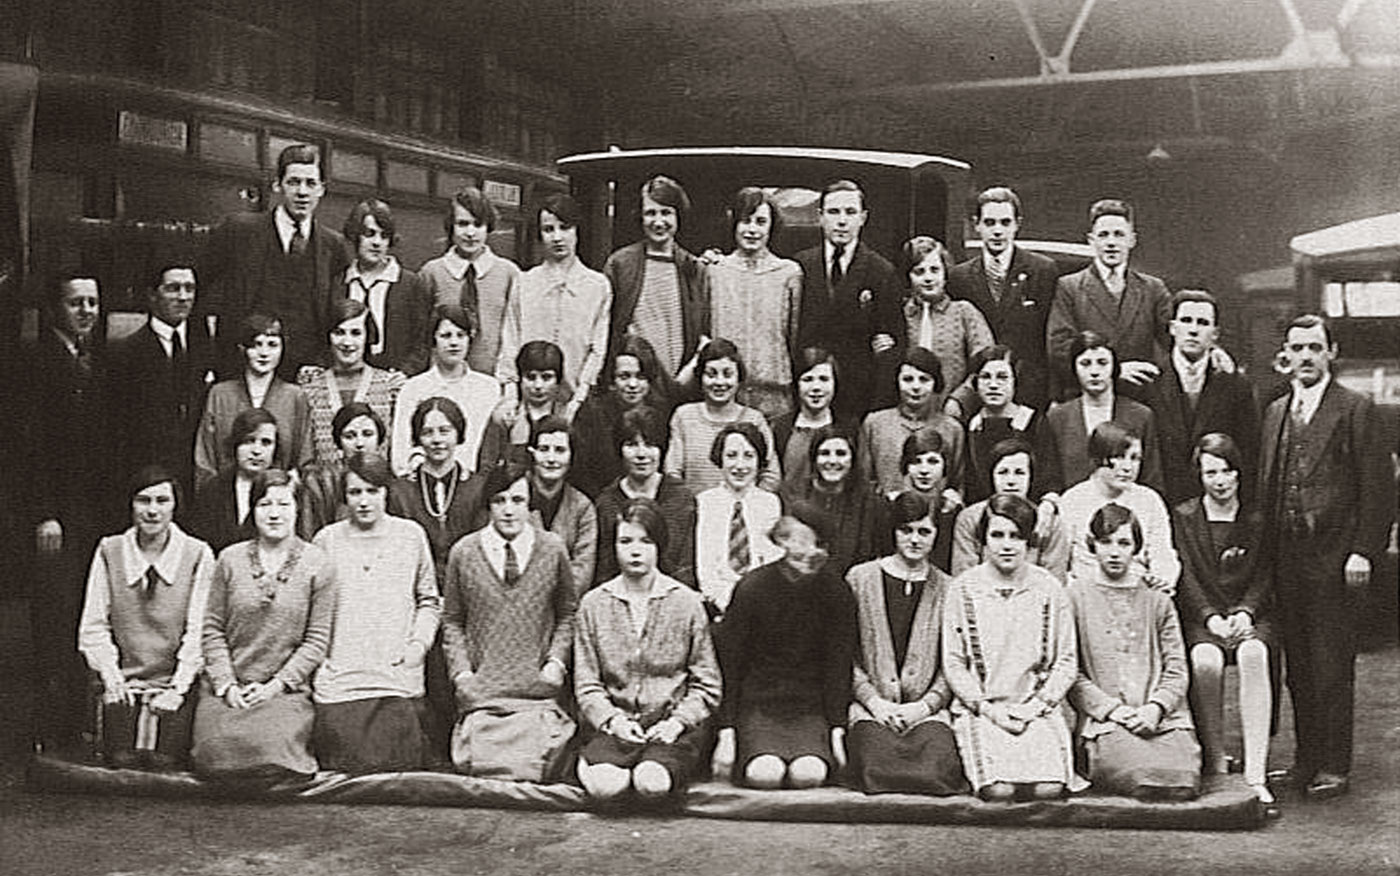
x,y
1272,432
981,293
1075,436
1098,295
630,267
1195,536
1324,422
1134,297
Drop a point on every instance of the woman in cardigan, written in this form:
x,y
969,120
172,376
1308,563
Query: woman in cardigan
x,y
818,380
994,374
953,331
141,624
641,443
1011,466
369,695
349,378
555,505
260,339
835,487
883,433
900,736
634,379
271,604
786,647
1132,680
732,520
398,300
645,674
222,507
755,299
356,428
507,633
1009,657
695,425
1225,606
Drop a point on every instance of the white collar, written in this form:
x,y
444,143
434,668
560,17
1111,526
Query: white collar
x,y
1019,421
1003,261
457,266
1310,396
829,249
390,274
167,565
1106,273
165,331
287,226
1186,366
661,584
495,543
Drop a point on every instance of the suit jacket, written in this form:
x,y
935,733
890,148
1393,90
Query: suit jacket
x,y
1018,321
1136,327
154,419
864,304
237,267
408,305
216,513
1346,489
1063,443
1226,405
876,673
625,270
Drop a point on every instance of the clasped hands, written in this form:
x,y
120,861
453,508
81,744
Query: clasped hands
x,y
628,729
1014,718
1141,720
1235,628
898,717
116,690
245,696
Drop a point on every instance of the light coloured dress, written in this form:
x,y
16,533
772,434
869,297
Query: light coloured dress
x,y
1008,640
756,304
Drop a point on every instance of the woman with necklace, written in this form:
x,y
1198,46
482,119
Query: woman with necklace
x,y
834,486
349,378
645,674
641,443
695,425
449,376
271,605
818,379
371,715
755,300
900,737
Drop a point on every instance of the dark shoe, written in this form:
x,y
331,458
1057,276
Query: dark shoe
x,y
1289,778
1326,786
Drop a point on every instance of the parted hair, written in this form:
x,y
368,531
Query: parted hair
x,y
746,201
668,193
833,432
995,195
269,478
917,444
721,348
645,422
1108,519
1110,440
1092,340
908,507
354,411
245,424
1017,509
443,405
750,433
370,207
925,361
371,467
254,324
299,153
150,476
645,513
1221,445
471,199
1110,207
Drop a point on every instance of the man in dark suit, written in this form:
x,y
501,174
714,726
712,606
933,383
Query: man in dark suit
x,y
851,304
157,381
1013,288
282,263
1327,502
66,486
1193,396
1130,308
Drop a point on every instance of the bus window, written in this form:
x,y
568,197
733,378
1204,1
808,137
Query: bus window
x,y
1362,298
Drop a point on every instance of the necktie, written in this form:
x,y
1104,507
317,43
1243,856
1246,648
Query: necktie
x,y
469,293
512,573
836,273
996,280
1299,418
83,355
926,328
1115,284
148,587
298,245
738,540
177,371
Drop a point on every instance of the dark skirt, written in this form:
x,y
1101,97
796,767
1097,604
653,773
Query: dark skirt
x,y
922,760
380,735
138,736
1168,764
679,759
268,743
787,737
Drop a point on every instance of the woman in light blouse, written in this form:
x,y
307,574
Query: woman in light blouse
x,y
732,520
953,331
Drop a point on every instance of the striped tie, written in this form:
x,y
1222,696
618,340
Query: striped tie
x,y
512,569
738,540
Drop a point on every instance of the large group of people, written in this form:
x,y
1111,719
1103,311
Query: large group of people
x,y
936,529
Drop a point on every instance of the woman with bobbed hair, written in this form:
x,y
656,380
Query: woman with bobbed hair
x,y
995,373
1011,464
900,737
733,519
266,627
440,495
645,674
755,301
923,467
633,379
260,339
371,715
1010,658
355,428
1225,606
695,425
641,443
818,379
952,330
222,506
834,485
349,378
397,298
883,433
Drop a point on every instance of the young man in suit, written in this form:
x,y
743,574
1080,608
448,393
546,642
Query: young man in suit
x,y
1130,308
851,303
1013,288
1327,489
1193,396
283,263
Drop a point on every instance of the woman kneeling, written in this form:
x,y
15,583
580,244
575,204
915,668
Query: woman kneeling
x,y
645,672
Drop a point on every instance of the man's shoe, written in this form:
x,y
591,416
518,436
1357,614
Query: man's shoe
x,y
1326,786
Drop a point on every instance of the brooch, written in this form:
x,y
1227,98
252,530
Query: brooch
x,y
865,297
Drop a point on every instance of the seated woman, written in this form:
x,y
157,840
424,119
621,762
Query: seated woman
x,y
786,647
994,375
1116,454
1012,465
645,674
540,365
1132,679
448,376
348,379
271,604
924,468
954,331
397,298
732,520
818,379
900,737
883,434
1063,434
555,505
1009,656
260,340
356,428
440,495
507,633
695,425
222,505
1225,605
835,487
141,624
634,379
370,712
641,443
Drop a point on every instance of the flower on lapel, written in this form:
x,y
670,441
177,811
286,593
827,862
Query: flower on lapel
x,y
1021,278
865,297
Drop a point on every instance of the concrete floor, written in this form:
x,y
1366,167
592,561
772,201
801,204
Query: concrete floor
x,y
79,835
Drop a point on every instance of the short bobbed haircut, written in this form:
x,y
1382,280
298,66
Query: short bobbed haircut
x,y
346,310
562,207
269,478
919,443
916,249
1017,509
645,513
354,411
245,424
1109,441
538,355
720,348
833,432
925,361
550,425
994,353
807,514
750,433
471,199
354,226
370,467
1088,340
443,405
502,475
1221,445
643,422
1109,519
1010,447
746,202
150,476
908,507
254,325
666,192
454,313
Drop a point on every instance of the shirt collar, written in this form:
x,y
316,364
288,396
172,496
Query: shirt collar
x,y
939,306
661,584
165,331
286,225
1105,272
1003,261
829,249
523,543
1186,366
389,275
167,565
1019,420
457,266
1311,395
67,340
